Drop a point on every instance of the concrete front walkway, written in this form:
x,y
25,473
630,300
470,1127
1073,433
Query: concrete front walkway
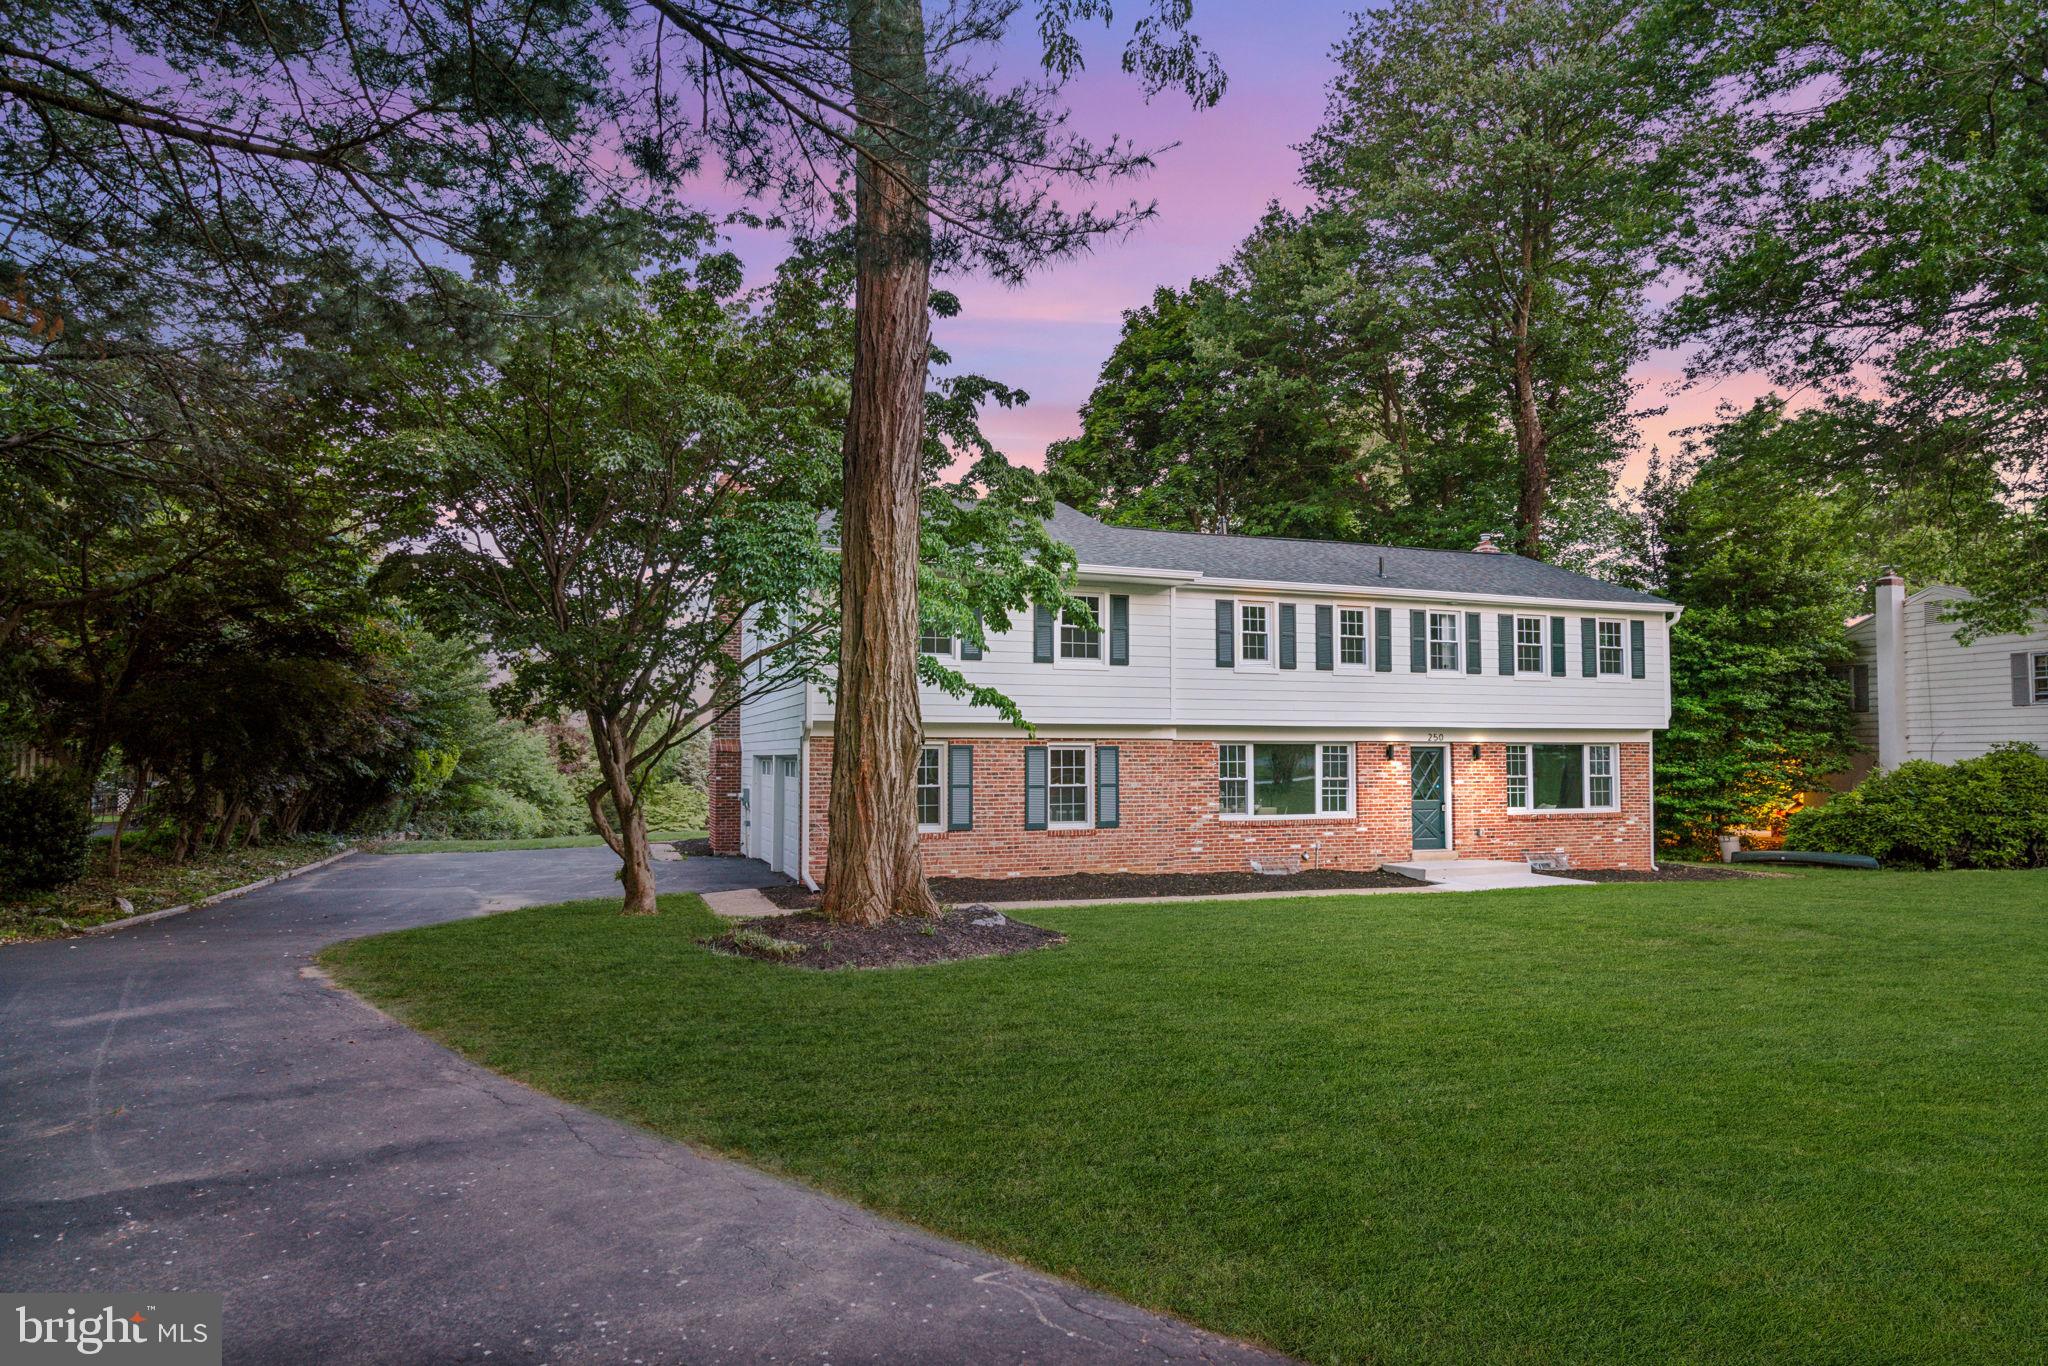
x,y
189,1106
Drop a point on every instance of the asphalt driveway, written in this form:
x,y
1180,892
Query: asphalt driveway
x,y
188,1106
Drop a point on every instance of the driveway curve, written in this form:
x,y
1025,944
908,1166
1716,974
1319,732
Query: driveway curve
x,y
189,1107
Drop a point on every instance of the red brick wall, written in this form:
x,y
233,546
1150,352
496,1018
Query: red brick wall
x,y
1169,821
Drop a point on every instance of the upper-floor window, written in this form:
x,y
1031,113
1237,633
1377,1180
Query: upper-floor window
x,y
935,643
1443,640
1351,635
2041,677
931,792
1254,632
1561,778
1078,641
1612,660
1529,645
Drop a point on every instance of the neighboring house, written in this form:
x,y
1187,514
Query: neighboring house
x,y
1918,693
1345,705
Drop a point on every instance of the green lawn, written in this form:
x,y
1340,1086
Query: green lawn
x,y
552,842
1782,1119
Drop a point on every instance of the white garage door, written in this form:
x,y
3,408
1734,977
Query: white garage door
x,y
760,812
789,802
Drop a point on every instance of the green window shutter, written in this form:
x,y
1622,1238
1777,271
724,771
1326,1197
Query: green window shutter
x,y
960,787
1471,642
1418,645
1383,639
1589,652
1326,647
1034,787
1119,628
1505,639
1226,633
1108,799
1557,647
1041,634
968,649
1636,666
1286,635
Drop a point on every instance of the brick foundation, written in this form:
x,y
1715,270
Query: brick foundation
x,y
1169,820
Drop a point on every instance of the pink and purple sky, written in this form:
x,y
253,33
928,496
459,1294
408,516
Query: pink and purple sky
x,y
1050,336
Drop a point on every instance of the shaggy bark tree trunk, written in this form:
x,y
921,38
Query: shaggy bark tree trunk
x,y
1532,441
628,838
873,868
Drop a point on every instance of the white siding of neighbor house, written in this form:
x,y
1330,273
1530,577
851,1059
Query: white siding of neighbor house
x,y
1863,724
1959,697
772,725
1173,680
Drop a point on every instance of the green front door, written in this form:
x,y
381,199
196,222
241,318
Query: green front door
x,y
1427,790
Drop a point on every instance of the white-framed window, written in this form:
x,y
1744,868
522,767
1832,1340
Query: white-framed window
x,y
931,788
1351,647
1561,778
1288,781
1529,645
1613,659
2041,677
1069,793
934,643
1078,641
1255,632
1443,642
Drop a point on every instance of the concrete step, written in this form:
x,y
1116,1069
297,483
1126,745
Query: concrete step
x,y
1447,870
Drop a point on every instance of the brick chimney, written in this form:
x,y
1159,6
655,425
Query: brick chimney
x,y
1486,544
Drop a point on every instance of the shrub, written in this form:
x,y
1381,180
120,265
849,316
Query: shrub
x,y
45,830
675,805
1989,812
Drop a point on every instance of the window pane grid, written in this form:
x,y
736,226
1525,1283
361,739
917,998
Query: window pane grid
x,y
2041,678
1599,775
928,790
1529,645
1254,644
1443,640
935,643
1068,785
1518,777
1336,778
1351,635
1231,779
1077,641
1610,647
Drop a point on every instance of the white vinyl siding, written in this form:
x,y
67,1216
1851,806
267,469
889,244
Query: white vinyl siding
x,y
1561,778
1958,698
1283,781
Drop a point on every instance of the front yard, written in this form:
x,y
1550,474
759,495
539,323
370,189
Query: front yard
x,y
1777,1119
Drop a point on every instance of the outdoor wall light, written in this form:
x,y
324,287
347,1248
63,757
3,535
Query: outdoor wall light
x,y
1475,751
1390,751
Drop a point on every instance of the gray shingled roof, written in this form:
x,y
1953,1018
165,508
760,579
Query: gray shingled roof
x,y
1279,559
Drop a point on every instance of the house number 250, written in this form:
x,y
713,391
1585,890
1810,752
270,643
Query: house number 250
x,y
1433,736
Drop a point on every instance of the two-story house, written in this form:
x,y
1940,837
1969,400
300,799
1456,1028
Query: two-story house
x,y
1248,697
1918,692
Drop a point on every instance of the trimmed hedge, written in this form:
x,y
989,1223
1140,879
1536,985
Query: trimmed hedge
x,y
45,829
1990,812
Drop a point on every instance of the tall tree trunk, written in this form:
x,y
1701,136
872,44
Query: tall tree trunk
x,y
1532,451
121,822
628,838
873,868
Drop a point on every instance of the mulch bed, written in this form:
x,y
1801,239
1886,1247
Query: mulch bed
x,y
1668,872
903,942
700,848
1098,886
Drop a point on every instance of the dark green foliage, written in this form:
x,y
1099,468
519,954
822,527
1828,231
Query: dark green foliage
x,y
45,826
1988,812
1762,565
